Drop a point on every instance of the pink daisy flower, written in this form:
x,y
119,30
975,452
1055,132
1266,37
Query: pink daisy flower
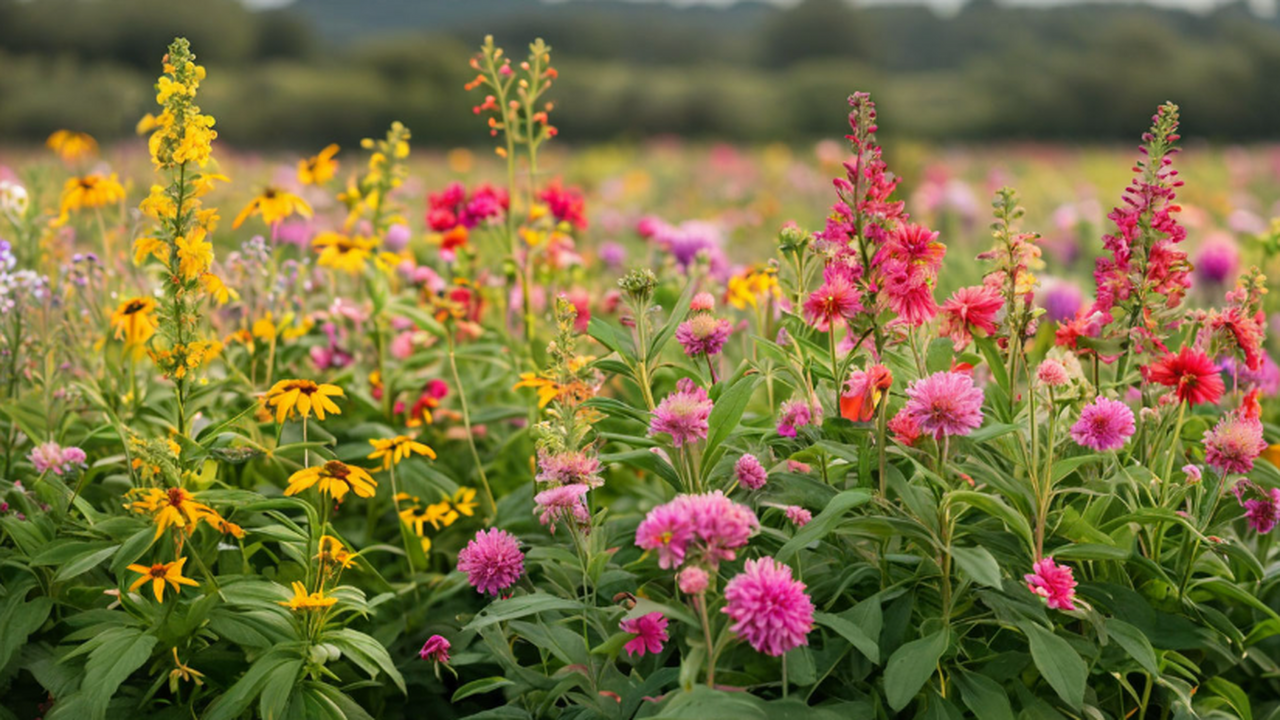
x,y
1104,424
969,309
904,427
750,473
1054,583
650,633
683,414
436,649
837,299
563,503
492,561
1233,444
769,609
703,334
945,403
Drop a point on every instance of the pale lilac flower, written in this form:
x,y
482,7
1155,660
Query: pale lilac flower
x,y
769,609
945,403
396,240
492,561
683,414
750,473
1104,424
1054,583
650,633
435,649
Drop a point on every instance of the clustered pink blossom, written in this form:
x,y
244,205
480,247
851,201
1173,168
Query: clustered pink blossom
x,y
909,262
693,580
563,503
650,633
769,609
904,427
709,527
703,334
566,204
52,457
1261,507
798,515
569,468
969,309
795,414
683,414
1104,424
452,206
435,649
945,403
750,473
836,300
1054,583
1236,441
1052,373
492,561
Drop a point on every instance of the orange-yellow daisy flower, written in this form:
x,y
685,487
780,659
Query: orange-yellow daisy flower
x,y
274,205
392,450
134,321
159,574
72,145
91,191
335,479
318,169
302,600
303,396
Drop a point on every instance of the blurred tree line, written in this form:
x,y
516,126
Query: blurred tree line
x,y
336,70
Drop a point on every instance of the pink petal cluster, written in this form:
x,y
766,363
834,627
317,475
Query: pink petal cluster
x,y
703,334
798,515
693,580
452,207
769,609
904,427
796,414
435,649
969,309
566,204
492,561
1261,512
836,300
1236,441
1052,373
945,403
709,526
683,414
1054,583
563,503
650,633
569,468
750,473
52,457
909,263
1104,424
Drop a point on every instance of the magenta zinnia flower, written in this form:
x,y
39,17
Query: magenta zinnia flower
x,y
796,414
770,610
709,525
683,414
750,473
969,309
435,648
945,403
703,334
492,561
1104,424
837,299
650,632
1233,444
1054,583
1261,512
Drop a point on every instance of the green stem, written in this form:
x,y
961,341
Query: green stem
x,y
466,423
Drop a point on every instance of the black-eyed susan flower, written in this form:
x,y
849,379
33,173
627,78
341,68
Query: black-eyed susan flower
x,y
172,507
343,252
463,501
318,169
134,321
159,574
71,146
303,600
419,517
90,192
302,397
332,552
392,450
273,205
335,479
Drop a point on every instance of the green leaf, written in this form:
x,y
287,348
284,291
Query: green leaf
x,y
726,414
824,523
983,696
1135,643
132,549
19,618
518,607
645,460
1233,694
676,317
911,666
483,685
368,653
1091,551
277,689
852,633
1059,663
994,507
979,564
84,563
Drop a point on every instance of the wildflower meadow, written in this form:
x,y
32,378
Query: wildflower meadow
x,y
681,431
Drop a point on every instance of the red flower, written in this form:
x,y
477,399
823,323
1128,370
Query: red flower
x,y
1191,372
969,309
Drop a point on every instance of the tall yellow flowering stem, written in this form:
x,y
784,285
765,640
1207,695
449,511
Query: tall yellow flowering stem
x,y
466,423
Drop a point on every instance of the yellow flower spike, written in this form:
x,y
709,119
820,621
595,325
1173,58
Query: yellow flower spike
x,y
90,192
195,254
145,247
273,205
335,479
393,450
319,169
217,289
134,321
304,601
159,574
301,397
71,146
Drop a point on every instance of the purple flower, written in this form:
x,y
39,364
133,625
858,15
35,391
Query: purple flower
x,y
769,609
1217,260
945,403
1104,424
703,334
396,240
649,631
750,473
1061,301
613,254
683,414
688,241
492,561
436,649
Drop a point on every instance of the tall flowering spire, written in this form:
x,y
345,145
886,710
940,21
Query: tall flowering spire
x,y
1146,275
